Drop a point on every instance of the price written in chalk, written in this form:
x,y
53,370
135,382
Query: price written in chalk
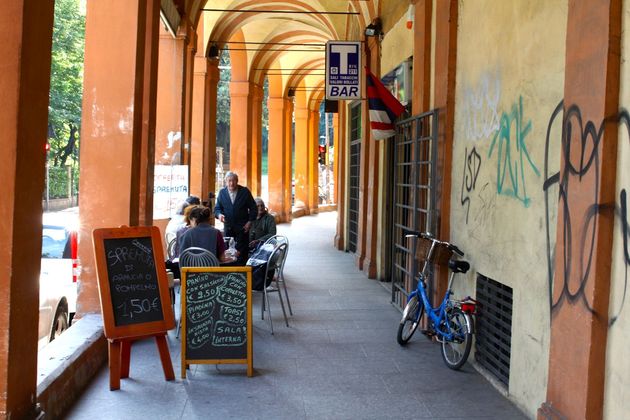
x,y
135,307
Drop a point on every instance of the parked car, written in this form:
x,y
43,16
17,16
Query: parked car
x,y
58,274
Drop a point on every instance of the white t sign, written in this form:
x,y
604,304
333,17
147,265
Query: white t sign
x,y
343,70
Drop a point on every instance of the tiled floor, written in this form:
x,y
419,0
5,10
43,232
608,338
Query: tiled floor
x,y
339,359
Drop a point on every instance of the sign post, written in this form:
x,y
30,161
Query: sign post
x,y
343,65
134,294
217,316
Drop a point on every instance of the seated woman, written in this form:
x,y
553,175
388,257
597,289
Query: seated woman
x,y
184,227
263,228
203,235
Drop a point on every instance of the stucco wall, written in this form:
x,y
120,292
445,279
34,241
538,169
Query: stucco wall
x,y
616,404
397,46
510,79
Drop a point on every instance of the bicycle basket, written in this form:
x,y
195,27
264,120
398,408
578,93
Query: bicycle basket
x,y
441,253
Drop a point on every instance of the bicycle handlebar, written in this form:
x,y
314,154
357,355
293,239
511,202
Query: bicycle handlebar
x,y
429,236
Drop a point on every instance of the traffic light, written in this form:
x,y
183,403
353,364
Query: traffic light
x,y
322,154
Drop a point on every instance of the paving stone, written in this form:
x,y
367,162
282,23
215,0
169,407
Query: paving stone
x,y
339,358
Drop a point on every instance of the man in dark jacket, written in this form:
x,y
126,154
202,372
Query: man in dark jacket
x,y
236,208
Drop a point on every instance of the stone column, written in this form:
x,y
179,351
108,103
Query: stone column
x,y
118,126
277,158
168,125
444,100
302,157
26,31
256,143
370,194
241,130
288,156
580,296
189,72
313,163
341,167
204,127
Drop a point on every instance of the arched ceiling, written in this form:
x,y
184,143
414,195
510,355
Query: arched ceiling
x,y
280,36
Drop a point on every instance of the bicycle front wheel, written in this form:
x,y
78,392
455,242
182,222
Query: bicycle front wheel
x,y
411,319
455,352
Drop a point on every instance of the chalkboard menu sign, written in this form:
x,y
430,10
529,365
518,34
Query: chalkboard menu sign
x,y
133,282
133,286
216,316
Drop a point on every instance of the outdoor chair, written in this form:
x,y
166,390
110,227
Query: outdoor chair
x,y
274,264
195,257
275,240
170,248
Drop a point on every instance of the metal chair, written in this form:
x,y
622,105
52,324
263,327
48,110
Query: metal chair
x,y
276,240
195,257
274,266
169,236
170,248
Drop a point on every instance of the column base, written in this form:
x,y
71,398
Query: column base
x,y
370,268
548,412
338,242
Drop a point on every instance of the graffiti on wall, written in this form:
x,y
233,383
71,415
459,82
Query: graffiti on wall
x,y
580,146
513,159
472,164
481,104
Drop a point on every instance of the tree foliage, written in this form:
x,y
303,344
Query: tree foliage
x,y
66,82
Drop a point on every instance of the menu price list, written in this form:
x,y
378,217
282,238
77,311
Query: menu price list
x,y
216,309
133,281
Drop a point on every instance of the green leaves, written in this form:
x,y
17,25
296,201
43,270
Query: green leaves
x,y
66,80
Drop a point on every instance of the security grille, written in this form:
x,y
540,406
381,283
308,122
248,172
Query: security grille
x,y
414,208
355,170
494,327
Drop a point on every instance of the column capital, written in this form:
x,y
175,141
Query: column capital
x,y
275,103
200,64
241,88
212,68
257,92
301,113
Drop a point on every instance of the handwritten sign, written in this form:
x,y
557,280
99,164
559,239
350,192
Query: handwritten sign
x,y
170,188
133,286
216,316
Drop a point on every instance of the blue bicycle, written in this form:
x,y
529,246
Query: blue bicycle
x,y
450,323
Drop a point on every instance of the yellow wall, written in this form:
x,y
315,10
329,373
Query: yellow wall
x,y
510,78
616,403
397,46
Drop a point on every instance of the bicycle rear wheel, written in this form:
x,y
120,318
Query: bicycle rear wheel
x,y
411,319
455,352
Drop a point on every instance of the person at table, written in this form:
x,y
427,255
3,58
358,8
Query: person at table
x,y
263,228
237,210
177,221
203,235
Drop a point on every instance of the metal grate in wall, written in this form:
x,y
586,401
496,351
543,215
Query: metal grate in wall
x,y
355,171
414,196
494,327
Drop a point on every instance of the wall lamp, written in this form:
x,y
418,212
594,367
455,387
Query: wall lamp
x,y
213,52
374,29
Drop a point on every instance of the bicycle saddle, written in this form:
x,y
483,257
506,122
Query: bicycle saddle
x,y
459,266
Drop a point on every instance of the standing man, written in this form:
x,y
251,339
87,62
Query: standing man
x,y
236,208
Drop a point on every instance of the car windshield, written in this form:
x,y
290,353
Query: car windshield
x,y
54,240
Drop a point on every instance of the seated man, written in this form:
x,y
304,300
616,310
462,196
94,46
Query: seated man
x,y
263,228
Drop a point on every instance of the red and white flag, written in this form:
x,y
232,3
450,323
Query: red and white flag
x,y
384,108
